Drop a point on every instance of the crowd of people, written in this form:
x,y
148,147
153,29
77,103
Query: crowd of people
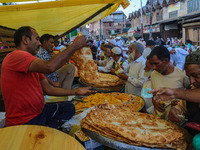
x,y
153,65
164,69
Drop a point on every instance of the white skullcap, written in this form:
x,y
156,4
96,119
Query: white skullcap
x,y
116,50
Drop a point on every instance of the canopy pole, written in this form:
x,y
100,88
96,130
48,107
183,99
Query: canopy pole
x,y
86,20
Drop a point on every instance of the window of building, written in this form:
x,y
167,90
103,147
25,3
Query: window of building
x,y
115,24
118,17
128,25
193,5
159,16
173,14
110,24
117,31
148,19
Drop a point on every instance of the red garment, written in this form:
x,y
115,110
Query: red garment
x,y
21,89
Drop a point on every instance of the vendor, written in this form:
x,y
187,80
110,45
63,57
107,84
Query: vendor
x,y
23,82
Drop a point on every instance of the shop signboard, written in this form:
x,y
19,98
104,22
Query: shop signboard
x,y
174,7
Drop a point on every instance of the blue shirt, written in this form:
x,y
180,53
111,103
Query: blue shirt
x,y
45,55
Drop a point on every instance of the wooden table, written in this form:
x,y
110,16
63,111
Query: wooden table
x,y
33,137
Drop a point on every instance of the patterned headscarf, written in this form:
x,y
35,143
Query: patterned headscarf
x,y
193,58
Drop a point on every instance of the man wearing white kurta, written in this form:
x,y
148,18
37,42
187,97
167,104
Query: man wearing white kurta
x,y
178,56
135,78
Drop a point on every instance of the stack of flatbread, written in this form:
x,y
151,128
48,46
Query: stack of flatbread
x,y
89,71
140,129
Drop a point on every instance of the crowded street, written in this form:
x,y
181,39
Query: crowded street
x,y
100,75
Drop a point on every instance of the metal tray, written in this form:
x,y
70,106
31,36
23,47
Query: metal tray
x,y
100,90
80,97
115,144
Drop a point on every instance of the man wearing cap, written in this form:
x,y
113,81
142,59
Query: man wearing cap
x,y
192,95
119,62
135,78
105,65
119,42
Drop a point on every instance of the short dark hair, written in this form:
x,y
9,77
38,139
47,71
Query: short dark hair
x,y
150,43
22,31
90,41
161,52
189,41
108,46
45,37
148,57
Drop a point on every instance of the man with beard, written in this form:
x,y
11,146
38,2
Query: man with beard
x,y
165,75
23,82
135,78
62,77
192,68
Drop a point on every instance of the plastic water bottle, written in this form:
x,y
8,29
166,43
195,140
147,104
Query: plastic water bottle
x,y
196,142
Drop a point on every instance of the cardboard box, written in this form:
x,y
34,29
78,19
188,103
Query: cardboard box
x,y
91,144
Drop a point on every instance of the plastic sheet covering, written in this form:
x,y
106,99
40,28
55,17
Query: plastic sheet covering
x,y
57,17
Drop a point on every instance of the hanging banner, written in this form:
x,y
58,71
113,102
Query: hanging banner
x,y
174,7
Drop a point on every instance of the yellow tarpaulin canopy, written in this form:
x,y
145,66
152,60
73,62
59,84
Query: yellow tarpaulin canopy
x,y
56,17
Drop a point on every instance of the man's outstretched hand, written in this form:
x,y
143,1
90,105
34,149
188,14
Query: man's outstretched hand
x,y
163,94
84,91
80,41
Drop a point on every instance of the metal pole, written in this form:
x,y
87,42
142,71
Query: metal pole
x,y
150,35
100,32
141,20
70,36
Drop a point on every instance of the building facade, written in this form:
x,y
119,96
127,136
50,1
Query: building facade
x,y
170,18
111,25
